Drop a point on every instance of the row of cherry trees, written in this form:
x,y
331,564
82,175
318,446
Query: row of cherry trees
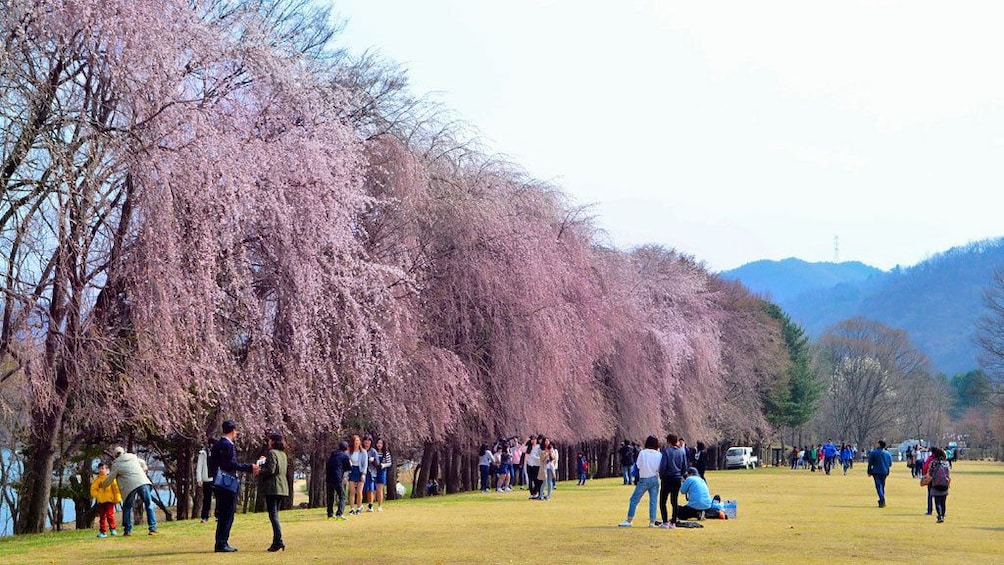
x,y
208,212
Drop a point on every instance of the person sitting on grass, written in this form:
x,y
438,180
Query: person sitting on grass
x,y
698,496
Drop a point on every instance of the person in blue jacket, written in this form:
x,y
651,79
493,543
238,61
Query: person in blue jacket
x,y
879,463
829,455
846,456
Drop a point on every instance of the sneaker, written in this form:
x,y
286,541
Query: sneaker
x,y
881,504
652,525
379,508
369,508
667,525
625,524
127,534
102,535
113,532
341,518
928,513
940,519
152,533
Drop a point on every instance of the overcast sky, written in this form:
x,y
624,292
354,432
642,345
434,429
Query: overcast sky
x,y
730,131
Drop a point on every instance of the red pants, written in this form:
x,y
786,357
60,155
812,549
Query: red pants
x,y
106,516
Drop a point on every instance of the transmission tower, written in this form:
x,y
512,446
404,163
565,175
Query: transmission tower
x,y
836,249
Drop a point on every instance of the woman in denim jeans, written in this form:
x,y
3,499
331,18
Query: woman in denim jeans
x,y
648,481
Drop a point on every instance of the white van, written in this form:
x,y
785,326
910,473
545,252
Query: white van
x,y
737,457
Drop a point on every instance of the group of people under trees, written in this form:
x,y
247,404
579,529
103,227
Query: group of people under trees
x,y
823,456
532,463
665,473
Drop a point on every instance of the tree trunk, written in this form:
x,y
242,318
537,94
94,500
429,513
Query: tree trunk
x,y
391,493
184,479
33,503
455,479
316,479
422,476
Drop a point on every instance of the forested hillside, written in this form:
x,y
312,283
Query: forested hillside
x,y
936,301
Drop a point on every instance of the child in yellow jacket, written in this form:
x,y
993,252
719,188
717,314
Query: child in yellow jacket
x,y
106,499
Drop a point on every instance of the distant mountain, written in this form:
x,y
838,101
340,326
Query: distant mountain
x,y
937,301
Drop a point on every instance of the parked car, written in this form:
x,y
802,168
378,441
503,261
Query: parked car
x,y
737,457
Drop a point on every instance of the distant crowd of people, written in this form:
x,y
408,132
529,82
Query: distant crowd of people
x,y
823,456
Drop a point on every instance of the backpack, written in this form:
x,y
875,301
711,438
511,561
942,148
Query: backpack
x,y
939,476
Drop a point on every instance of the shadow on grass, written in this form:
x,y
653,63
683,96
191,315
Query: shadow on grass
x,y
1000,529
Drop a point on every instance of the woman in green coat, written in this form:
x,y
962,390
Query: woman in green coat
x,y
272,483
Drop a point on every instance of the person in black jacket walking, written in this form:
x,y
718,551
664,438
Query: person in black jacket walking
x,y
224,458
334,470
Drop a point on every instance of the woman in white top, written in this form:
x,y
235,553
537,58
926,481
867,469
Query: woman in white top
x,y
359,460
648,481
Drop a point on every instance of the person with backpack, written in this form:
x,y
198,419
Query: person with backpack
x,y
938,478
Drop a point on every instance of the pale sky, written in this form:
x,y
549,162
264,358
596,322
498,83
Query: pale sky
x,y
730,131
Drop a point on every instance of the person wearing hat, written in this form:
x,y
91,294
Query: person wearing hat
x,y
224,458
698,496
130,473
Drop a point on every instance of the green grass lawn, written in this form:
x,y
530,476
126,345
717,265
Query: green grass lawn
x,y
784,517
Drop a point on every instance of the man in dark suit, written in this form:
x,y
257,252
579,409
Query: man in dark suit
x,y
224,457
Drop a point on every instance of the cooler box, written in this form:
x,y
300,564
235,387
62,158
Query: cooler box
x,y
730,506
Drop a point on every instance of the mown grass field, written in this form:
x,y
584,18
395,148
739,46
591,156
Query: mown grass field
x,y
784,517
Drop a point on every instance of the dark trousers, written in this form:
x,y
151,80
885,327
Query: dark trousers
x,y
939,503
670,488
226,505
484,477
880,487
207,499
273,502
689,513
535,483
336,490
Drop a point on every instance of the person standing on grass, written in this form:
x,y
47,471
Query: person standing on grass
x,y
223,457
484,466
879,463
105,497
701,460
272,483
548,465
829,455
383,464
939,478
627,460
846,457
205,479
334,474
131,474
533,467
358,461
674,462
648,464
582,467
372,467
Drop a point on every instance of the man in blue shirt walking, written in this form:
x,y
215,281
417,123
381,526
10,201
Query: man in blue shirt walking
x,y
879,463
